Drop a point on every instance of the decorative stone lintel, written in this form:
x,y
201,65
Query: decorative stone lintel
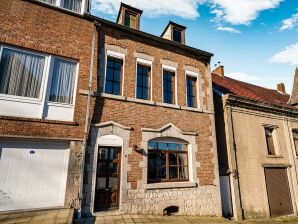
x,y
279,165
111,123
168,126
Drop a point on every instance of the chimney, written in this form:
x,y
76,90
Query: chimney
x,y
129,16
281,88
294,97
219,71
174,32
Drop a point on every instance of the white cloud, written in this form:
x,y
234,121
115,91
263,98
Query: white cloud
x,y
239,12
289,23
183,8
243,77
288,55
228,29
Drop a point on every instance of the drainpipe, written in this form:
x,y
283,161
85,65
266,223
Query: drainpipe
x,y
86,129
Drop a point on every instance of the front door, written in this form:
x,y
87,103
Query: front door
x,y
278,191
107,178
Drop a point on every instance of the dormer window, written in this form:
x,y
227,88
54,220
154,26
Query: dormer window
x,y
174,32
129,16
72,5
130,19
177,35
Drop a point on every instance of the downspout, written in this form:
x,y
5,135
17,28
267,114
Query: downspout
x,y
235,172
86,129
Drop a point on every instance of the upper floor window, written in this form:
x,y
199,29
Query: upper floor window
x,y
32,81
191,88
113,82
73,5
130,19
295,139
143,81
168,87
167,161
177,35
271,140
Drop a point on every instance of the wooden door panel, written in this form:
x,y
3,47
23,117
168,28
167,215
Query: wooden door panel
x,y
107,178
278,191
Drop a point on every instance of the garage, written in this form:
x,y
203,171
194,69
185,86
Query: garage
x,y
33,174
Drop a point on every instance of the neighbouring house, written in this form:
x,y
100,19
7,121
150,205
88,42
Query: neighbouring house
x,y
45,56
257,136
152,146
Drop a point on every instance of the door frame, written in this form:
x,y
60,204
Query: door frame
x,y
287,170
104,141
119,176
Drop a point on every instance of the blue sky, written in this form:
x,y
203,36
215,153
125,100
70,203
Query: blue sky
x,y
256,40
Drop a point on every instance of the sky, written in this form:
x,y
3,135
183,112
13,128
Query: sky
x,y
256,40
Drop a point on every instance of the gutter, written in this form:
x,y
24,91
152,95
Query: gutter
x,y
86,129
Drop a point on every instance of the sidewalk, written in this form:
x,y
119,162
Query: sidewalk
x,y
60,216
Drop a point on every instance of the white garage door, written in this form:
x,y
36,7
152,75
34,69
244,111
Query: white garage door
x,y
32,174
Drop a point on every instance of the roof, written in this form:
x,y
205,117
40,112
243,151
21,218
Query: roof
x,y
226,85
175,46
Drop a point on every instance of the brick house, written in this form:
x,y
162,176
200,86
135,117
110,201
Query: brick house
x,y
256,131
45,56
152,139
151,144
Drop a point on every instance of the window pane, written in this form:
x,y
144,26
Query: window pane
x,y
183,172
152,172
173,146
143,82
182,159
177,35
63,81
73,5
113,76
191,91
173,172
168,83
161,172
295,139
130,20
21,73
162,146
269,140
173,159
162,159
152,145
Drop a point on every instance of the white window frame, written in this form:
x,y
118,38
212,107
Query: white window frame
x,y
50,82
117,55
193,75
45,87
171,69
58,4
45,75
146,63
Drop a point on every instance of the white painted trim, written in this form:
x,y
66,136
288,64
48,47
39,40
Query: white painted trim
x,y
194,75
118,55
171,69
147,63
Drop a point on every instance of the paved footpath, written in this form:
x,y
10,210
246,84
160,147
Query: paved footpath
x,y
64,216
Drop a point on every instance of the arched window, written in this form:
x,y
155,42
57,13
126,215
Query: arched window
x,y
167,161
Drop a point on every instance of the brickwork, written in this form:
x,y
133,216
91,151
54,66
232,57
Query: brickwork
x,y
36,27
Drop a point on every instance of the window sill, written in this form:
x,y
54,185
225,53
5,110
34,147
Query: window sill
x,y
140,101
170,185
274,156
56,104
168,105
191,109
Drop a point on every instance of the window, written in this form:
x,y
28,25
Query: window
x,y
36,85
143,81
270,140
73,5
21,73
191,91
168,87
167,162
177,35
130,19
63,81
295,139
113,76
